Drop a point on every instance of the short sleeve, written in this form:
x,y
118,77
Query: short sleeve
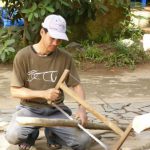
x,y
73,77
18,74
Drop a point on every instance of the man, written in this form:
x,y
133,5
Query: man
x,y
36,71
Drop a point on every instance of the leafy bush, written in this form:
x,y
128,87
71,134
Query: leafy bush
x,y
6,49
9,40
118,56
33,12
94,54
128,28
126,56
91,53
105,37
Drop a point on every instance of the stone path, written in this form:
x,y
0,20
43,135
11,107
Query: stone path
x,y
120,96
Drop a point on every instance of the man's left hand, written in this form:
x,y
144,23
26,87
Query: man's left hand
x,y
81,115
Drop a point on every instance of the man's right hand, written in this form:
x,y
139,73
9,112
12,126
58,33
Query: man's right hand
x,y
51,94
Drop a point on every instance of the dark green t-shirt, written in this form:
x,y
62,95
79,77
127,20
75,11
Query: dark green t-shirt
x,y
40,73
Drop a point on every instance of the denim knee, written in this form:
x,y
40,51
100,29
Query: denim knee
x,y
84,143
17,137
12,137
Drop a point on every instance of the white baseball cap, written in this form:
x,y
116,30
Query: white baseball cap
x,y
56,26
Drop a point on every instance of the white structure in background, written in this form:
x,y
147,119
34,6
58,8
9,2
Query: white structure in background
x,y
146,42
141,122
140,18
127,42
1,3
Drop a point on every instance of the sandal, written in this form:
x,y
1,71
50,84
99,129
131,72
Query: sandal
x,y
54,146
26,146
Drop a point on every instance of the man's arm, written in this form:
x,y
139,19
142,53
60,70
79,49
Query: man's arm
x,y
25,93
81,113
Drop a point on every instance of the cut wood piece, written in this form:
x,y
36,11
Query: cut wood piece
x,y
44,122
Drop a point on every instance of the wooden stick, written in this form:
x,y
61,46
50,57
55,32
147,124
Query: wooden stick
x,y
123,137
45,122
111,125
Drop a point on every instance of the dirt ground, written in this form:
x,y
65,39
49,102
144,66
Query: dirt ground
x,y
113,86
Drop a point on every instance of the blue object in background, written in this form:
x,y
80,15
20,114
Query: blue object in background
x,y
19,22
143,3
6,20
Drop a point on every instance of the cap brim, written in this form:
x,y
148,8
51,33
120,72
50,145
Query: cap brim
x,y
58,35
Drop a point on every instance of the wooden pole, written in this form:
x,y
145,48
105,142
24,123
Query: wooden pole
x,y
45,122
123,137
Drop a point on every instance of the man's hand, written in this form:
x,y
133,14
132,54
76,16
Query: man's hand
x,y
51,94
81,115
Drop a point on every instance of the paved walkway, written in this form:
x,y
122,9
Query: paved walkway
x,y
119,95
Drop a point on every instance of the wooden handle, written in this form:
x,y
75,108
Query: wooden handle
x,y
62,78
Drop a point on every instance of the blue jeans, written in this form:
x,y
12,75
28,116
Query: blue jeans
x,y
72,137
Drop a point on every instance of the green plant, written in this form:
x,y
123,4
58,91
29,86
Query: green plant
x,y
6,49
117,54
128,28
10,40
104,37
33,12
119,3
125,56
91,53
87,43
